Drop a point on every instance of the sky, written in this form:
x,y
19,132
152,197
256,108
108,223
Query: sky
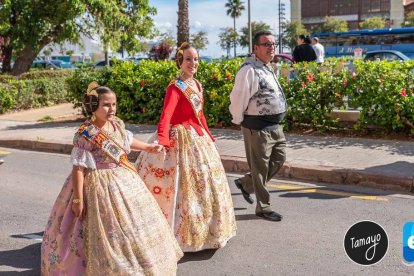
x,y
210,16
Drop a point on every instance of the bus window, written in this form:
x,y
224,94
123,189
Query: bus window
x,y
389,39
404,38
341,40
372,40
328,41
351,40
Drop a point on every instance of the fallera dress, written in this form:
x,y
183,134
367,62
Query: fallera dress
x,y
124,231
188,179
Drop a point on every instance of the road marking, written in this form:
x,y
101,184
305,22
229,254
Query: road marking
x,y
2,152
327,192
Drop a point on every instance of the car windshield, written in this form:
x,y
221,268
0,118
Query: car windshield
x,y
66,65
62,64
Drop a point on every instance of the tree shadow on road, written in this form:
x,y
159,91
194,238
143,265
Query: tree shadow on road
x,y
312,196
297,142
25,258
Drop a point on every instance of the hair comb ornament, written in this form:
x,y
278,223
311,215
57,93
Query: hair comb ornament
x,y
92,89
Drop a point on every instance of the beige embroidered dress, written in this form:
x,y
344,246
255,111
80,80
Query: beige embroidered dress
x,y
188,179
124,231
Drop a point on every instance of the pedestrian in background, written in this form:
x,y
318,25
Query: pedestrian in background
x,y
105,221
257,103
188,179
304,51
319,50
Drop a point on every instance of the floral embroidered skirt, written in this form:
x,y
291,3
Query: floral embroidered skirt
x,y
190,185
123,232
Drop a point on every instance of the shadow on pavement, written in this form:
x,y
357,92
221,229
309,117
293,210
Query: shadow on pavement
x,y
325,142
198,256
247,217
41,125
24,258
406,168
312,196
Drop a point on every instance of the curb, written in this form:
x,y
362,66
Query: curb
x,y
234,164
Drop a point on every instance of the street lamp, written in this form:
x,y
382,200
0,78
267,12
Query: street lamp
x,y
250,27
281,20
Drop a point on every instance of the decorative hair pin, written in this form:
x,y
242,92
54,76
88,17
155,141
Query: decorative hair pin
x,y
92,89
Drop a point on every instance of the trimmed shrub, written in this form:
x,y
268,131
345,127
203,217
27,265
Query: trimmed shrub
x,y
8,95
46,74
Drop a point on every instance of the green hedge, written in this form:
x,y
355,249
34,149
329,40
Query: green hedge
x,y
140,88
314,91
32,92
8,95
382,91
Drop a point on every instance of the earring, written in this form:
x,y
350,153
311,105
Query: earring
x,y
93,118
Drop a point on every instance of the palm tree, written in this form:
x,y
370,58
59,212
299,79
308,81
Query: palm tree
x,y
234,9
183,28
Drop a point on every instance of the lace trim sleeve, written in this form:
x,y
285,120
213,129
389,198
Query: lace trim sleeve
x,y
83,158
128,142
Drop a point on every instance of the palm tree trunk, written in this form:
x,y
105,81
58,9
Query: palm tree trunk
x,y
183,28
234,43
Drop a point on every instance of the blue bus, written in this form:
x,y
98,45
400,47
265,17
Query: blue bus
x,y
344,43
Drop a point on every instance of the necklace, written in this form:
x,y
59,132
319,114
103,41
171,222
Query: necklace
x,y
192,83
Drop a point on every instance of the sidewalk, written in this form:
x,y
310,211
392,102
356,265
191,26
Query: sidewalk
x,y
375,163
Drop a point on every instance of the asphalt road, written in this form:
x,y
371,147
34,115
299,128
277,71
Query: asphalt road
x,y
308,241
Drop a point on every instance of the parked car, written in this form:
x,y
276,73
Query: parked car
x,y
52,64
387,55
137,59
102,63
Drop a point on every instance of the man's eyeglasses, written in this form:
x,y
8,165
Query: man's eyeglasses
x,y
268,44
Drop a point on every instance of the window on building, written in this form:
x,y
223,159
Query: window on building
x,y
375,6
385,5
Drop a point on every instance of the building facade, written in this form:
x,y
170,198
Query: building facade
x,y
313,12
408,6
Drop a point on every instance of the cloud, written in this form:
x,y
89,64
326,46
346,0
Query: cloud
x,y
197,25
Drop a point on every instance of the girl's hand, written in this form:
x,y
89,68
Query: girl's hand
x,y
154,148
78,210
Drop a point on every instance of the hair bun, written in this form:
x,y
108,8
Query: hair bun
x,y
92,88
184,44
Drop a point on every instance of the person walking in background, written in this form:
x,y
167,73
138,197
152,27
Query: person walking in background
x,y
105,221
304,51
257,103
188,179
319,50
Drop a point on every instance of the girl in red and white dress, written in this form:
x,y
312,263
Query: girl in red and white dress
x,y
187,178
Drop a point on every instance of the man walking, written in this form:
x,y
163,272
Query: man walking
x,y
319,50
257,103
